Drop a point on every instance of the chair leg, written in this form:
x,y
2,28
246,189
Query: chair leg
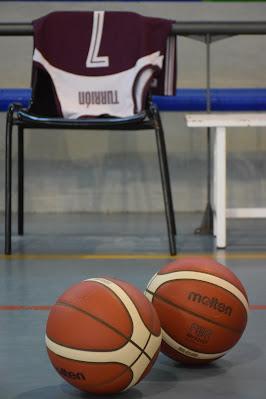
x,y
166,167
8,181
165,177
20,180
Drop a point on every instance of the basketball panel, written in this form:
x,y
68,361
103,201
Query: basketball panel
x,y
100,302
75,329
207,300
193,331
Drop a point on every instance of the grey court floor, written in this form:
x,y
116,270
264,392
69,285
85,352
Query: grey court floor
x,y
59,250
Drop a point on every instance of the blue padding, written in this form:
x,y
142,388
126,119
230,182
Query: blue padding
x,y
221,100
8,96
184,100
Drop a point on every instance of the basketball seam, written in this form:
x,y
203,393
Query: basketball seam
x,y
80,361
193,313
142,352
240,288
85,361
117,297
104,323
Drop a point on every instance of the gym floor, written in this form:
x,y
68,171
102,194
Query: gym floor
x,y
59,250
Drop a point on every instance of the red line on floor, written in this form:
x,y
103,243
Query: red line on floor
x,y
15,307
257,307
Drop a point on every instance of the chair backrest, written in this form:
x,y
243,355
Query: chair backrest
x,y
100,63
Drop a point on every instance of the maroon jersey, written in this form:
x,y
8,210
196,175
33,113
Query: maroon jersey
x,y
95,63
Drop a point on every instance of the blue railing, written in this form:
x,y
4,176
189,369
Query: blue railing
x,y
243,99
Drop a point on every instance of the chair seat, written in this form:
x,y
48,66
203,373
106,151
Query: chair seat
x,y
137,121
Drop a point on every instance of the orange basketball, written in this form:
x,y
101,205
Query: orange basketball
x,y
103,335
202,307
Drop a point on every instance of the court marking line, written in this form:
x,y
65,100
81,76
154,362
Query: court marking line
x,y
48,307
217,255
257,307
21,307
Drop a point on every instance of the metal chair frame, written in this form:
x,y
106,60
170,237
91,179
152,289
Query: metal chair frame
x,y
17,116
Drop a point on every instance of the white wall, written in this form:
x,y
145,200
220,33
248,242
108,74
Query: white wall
x,y
101,171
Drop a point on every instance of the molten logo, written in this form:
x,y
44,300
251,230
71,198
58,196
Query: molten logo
x,y
70,374
213,302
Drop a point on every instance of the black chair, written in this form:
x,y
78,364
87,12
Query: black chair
x,y
17,116
31,118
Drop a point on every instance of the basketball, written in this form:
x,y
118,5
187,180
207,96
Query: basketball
x,y
202,307
103,335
